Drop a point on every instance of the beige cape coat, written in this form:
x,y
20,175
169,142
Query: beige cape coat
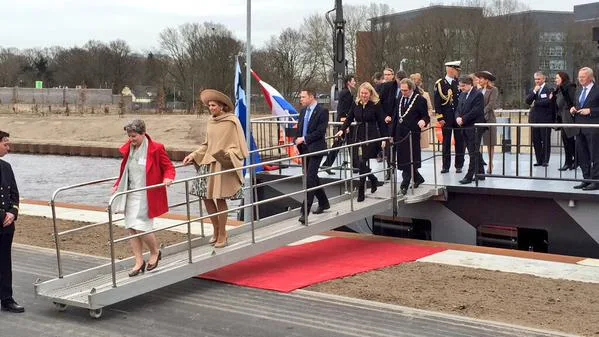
x,y
224,138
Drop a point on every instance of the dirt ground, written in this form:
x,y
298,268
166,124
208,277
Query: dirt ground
x,y
38,231
567,306
179,132
526,300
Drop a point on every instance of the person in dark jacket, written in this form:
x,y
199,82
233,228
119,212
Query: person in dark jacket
x,y
346,100
9,211
370,119
389,93
542,111
312,127
446,99
564,100
410,116
471,110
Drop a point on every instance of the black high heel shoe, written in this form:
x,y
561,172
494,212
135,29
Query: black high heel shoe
x,y
138,270
153,266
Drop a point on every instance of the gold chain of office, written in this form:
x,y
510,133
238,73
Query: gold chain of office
x,y
401,116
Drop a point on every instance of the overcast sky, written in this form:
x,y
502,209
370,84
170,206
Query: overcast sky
x,y
37,23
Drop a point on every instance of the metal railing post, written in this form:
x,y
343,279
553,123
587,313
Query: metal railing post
x,y
111,237
202,218
251,205
305,186
477,156
411,163
188,211
393,176
351,177
531,150
56,238
434,157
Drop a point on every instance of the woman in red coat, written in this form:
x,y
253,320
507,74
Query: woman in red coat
x,y
145,163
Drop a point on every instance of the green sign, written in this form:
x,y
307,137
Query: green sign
x,y
39,84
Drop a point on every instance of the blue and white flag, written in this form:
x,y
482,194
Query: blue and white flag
x,y
241,113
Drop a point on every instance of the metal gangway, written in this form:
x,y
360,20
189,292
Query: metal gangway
x,y
109,283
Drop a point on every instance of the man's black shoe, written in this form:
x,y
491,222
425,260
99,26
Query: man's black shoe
x,y
537,164
458,170
545,164
330,172
302,219
591,187
418,182
582,185
12,306
444,170
466,181
321,209
565,167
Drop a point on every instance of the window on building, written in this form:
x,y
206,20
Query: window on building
x,y
557,64
556,51
552,37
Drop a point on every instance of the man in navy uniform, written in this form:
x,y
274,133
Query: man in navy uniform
x,y
446,100
9,210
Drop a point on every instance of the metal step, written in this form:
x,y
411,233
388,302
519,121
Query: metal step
x,y
93,288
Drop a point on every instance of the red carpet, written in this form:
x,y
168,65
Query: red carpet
x,y
294,267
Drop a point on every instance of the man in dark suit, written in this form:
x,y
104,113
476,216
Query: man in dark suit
x,y
9,210
586,111
542,111
346,100
312,127
470,110
389,94
446,99
410,116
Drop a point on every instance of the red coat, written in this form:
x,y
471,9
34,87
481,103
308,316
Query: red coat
x,y
158,167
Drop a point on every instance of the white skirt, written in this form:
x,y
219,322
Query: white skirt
x,y
136,212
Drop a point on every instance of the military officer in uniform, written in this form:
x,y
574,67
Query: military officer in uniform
x,y
9,210
446,100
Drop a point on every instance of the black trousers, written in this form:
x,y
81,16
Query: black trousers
x,y
6,264
473,138
333,153
541,141
587,149
459,147
406,176
569,148
312,180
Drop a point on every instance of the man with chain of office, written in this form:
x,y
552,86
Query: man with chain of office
x,y
410,117
446,99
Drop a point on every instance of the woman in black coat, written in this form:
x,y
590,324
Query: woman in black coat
x,y
564,100
370,124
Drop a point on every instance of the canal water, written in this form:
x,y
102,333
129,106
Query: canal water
x,y
38,176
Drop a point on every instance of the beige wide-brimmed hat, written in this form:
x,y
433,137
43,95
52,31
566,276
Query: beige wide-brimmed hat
x,y
215,95
485,74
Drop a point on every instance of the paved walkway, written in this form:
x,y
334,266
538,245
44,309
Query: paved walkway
x,y
202,308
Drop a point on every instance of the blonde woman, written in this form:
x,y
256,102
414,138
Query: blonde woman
x,y
224,148
370,118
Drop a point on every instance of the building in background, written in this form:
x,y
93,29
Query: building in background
x,y
512,45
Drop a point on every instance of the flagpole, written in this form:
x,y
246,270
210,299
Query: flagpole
x,y
249,197
248,75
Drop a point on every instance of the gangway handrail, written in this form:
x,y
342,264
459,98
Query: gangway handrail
x,y
251,204
539,125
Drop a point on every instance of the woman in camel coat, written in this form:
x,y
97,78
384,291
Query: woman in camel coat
x,y
224,148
